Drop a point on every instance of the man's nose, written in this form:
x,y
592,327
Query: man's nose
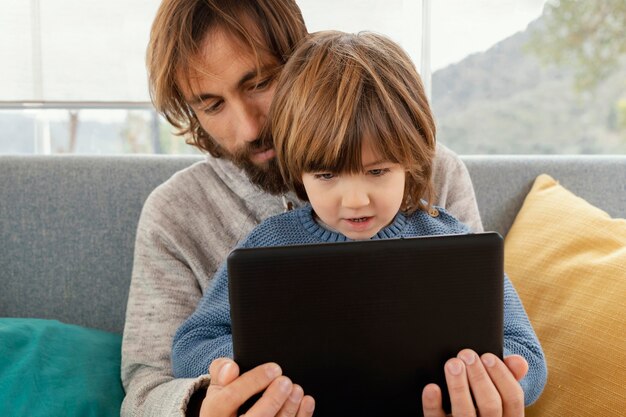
x,y
250,119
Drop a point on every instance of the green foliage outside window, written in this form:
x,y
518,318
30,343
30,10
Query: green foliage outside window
x,y
558,87
589,35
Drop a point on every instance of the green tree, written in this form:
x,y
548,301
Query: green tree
x,y
588,35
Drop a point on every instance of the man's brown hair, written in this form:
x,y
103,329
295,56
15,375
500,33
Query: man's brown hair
x,y
339,90
180,26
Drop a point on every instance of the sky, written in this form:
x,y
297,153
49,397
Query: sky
x,y
93,50
462,27
458,28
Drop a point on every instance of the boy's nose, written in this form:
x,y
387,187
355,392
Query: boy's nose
x,y
355,197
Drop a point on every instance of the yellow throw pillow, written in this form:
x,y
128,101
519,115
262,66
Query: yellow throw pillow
x,y
567,260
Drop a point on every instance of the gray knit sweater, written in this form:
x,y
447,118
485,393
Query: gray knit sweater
x,y
187,227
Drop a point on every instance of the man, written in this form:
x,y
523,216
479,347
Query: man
x,y
212,68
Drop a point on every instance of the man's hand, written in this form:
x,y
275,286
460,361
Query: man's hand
x,y
228,391
492,383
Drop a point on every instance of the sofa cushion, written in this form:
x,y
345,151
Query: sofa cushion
x,y
50,368
567,260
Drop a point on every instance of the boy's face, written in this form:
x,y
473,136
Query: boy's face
x,y
358,205
231,99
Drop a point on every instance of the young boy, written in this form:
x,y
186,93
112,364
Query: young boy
x,y
355,137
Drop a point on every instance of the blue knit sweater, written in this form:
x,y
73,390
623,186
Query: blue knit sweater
x,y
206,334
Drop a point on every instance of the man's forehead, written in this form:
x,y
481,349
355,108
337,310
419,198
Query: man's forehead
x,y
224,61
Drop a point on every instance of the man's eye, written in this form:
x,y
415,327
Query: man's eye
x,y
325,176
213,108
263,84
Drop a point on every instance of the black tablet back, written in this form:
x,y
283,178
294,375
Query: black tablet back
x,y
364,326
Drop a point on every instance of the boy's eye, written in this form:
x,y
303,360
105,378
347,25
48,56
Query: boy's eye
x,y
378,172
324,176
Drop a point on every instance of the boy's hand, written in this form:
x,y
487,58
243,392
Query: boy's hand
x,y
228,391
491,382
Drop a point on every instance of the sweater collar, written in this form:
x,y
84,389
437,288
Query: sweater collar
x,y
306,217
259,201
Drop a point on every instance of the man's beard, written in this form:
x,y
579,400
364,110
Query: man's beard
x,y
267,175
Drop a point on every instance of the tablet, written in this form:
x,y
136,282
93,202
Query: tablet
x,y
364,326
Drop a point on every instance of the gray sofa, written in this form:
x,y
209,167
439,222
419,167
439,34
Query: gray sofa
x,y
68,222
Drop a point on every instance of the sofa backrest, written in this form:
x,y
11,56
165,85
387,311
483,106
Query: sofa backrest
x,y
67,233
68,222
501,182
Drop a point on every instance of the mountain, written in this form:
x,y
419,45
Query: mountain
x,y
505,101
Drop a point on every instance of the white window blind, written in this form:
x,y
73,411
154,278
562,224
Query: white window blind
x,y
92,51
74,50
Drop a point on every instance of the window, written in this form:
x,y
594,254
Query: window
x,y
401,20
542,78
73,79
504,76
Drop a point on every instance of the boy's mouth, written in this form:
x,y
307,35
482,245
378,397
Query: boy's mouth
x,y
359,219
359,223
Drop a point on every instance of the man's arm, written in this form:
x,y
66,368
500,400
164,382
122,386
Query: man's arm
x,y
454,188
187,228
163,292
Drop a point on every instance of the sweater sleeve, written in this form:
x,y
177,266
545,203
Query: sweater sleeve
x,y
520,339
163,292
206,334
454,188
187,227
